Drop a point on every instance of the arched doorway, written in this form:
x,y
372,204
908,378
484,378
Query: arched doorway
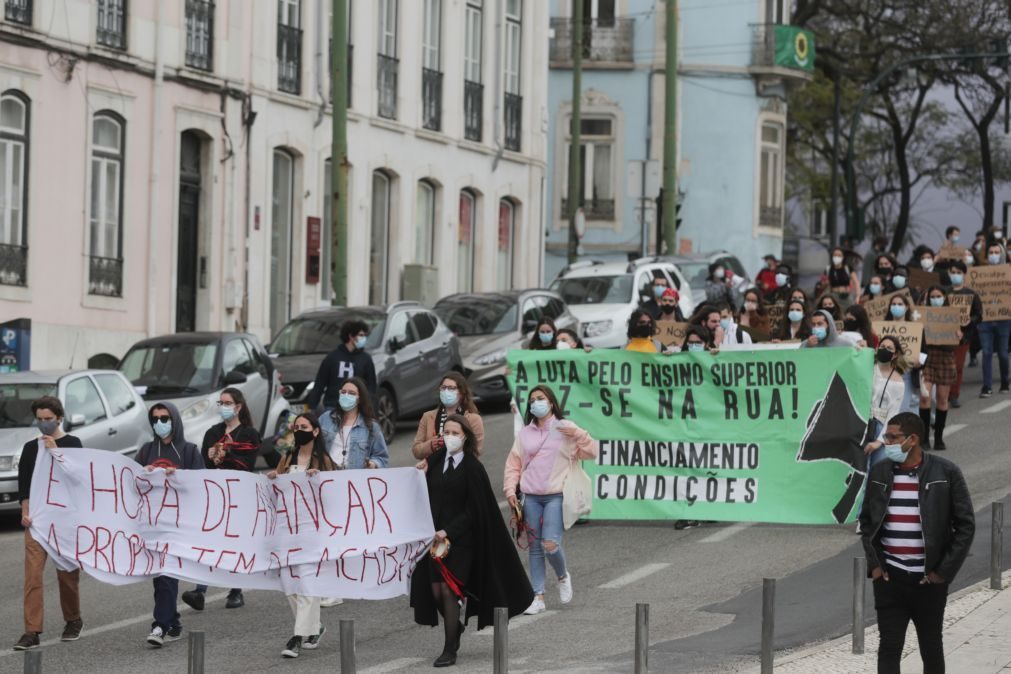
x,y
280,239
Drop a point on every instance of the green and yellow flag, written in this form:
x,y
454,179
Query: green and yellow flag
x,y
794,48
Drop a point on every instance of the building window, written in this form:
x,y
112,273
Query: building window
x,y
281,225
105,270
326,236
200,34
473,90
770,186
506,232
596,168
289,46
111,31
18,11
431,66
387,65
380,237
14,118
819,221
424,228
778,11
513,102
465,242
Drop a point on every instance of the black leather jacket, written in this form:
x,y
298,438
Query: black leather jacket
x,y
946,515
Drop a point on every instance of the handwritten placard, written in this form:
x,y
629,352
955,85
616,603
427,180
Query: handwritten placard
x,y
952,253
942,325
993,284
877,309
909,334
671,333
964,303
777,314
921,280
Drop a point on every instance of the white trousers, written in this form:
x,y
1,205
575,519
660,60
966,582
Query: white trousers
x,y
306,610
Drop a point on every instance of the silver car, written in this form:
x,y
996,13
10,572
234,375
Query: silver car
x,y
101,406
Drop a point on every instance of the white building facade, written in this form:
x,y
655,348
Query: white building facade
x,y
164,165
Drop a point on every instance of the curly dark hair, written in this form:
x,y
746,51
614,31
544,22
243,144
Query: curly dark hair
x,y
365,409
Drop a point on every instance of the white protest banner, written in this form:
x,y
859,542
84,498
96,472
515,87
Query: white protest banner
x,y
355,534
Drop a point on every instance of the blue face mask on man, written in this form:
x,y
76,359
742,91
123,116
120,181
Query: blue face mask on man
x,y
956,279
899,281
360,342
658,291
895,453
820,332
162,429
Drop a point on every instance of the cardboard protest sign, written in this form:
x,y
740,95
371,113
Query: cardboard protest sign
x,y
964,303
941,325
952,253
671,333
909,334
921,280
777,314
993,284
877,309
770,435
347,533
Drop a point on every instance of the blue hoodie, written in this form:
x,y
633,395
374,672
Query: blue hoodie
x,y
175,454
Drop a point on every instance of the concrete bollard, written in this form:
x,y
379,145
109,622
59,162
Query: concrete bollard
x,y
195,653
500,657
349,658
859,582
641,638
33,662
768,623
996,544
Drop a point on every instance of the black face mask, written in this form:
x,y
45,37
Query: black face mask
x,y
885,356
885,271
642,331
851,325
668,309
303,438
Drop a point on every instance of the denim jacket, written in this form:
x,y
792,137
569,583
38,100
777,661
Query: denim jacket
x,y
364,445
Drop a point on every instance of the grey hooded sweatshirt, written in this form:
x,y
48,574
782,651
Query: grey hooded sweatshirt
x,y
177,453
833,338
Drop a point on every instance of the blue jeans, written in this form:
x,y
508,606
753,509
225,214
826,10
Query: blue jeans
x,y
166,591
543,514
990,332
909,402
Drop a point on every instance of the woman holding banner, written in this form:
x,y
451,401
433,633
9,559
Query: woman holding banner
x,y
797,326
472,558
309,456
542,460
754,317
939,372
544,335
454,398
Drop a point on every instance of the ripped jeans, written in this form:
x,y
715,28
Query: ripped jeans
x,y
543,514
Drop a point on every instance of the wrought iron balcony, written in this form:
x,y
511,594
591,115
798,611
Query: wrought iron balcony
x,y
13,265
473,110
770,216
782,51
111,30
386,81
604,41
513,121
105,276
431,99
18,11
593,209
200,34
289,59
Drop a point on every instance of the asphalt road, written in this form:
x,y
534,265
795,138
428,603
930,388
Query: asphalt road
x,y
703,586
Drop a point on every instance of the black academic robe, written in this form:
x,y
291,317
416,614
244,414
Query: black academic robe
x,y
496,576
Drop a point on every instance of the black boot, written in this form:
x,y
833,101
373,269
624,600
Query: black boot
x,y
940,419
925,418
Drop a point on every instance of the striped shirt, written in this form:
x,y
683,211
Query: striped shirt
x,y
902,535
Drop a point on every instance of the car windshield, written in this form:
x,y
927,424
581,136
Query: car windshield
x,y
595,289
322,334
696,272
16,403
472,315
185,368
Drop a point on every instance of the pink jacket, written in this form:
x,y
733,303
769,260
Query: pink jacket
x,y
540,460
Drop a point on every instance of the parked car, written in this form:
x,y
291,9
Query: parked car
x,y
603,295
489,325
101,407
695,268
408,343
190,369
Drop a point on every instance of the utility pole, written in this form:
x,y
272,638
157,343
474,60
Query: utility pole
x,y
575,144
339,155
833,209
670,147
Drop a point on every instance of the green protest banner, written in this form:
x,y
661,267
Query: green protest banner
x,y
747,436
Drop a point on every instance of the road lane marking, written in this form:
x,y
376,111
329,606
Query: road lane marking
x,y
634,576
393,666
119,624
999,407
954,428
519,621
726,532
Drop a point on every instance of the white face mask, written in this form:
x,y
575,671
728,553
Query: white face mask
x,y
836,259
563,346
454,443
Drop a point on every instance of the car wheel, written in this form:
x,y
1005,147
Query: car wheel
x,y
386,411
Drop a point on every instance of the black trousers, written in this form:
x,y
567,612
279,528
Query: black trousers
x,y
899,600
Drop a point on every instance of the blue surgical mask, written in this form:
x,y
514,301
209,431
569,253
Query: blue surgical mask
x,y
449,398
226,413
347,401
956,279
898,311
719,273
162,429
895,453
360,342
696,347
937,301
955,238
819,332
795,316
781,280
546,337
899,281
874,288
658,291
725,323
994,259
540,408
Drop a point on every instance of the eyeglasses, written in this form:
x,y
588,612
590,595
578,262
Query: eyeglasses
x,y
164,418
448,388
225,403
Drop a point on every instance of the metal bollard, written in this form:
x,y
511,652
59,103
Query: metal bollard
x,y
996,543
768,622
859,582
348,657
641,638
33,662
195,653
500,657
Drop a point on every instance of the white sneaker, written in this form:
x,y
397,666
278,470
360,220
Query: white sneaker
x,y
565,589
157,637
536,607
330,601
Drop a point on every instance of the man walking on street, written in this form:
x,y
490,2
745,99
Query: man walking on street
x,y
346,361
917,524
